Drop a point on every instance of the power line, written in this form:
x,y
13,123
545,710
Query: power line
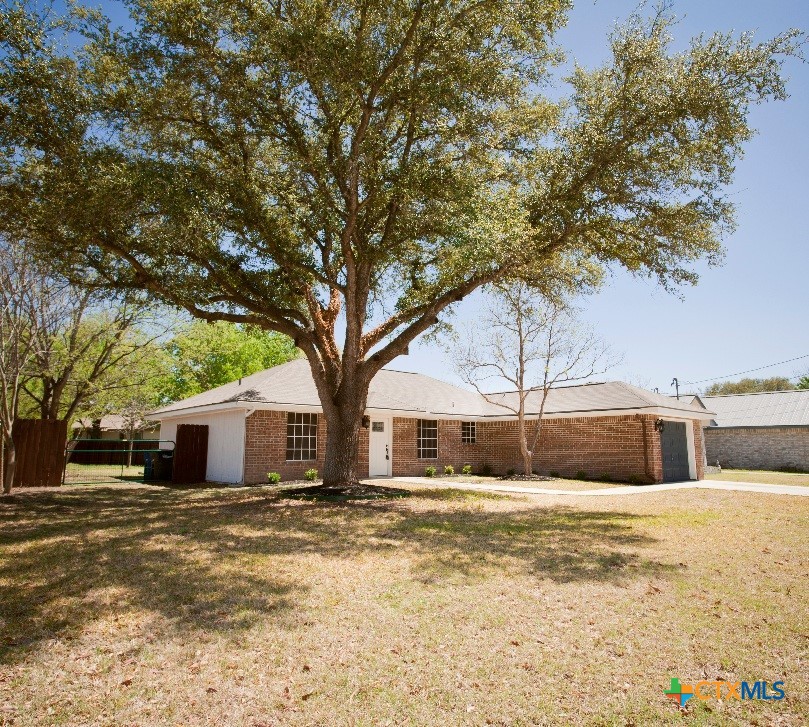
x,y
749,371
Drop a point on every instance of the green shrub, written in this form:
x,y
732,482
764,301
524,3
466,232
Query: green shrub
x,y
467,469
449,470
554,473
581,475
429,471
605,477
273,478
636,480
511,472
310,475
486,470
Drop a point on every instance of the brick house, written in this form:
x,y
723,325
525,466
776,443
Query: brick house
x,y
272,422
764,431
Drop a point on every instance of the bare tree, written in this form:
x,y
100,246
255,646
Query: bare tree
x,y
534,343
17,344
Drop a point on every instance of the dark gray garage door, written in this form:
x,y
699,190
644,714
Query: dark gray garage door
x,y
674,444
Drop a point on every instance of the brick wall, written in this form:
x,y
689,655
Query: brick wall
x,y
595,445
266,448
450,448
763,448
620,447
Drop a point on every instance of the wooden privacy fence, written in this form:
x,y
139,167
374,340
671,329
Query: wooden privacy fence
x,y
190,454
40,450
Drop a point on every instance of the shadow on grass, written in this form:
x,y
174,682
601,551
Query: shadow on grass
x,y
68,558
208,559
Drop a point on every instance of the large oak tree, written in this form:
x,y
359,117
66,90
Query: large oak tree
x,y
346,171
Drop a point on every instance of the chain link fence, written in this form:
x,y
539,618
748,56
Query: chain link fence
x,y
107,461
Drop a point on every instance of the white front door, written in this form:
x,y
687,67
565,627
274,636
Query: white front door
x,y
380,442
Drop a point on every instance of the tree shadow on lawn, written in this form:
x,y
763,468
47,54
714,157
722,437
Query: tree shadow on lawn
x,y
203,560
71,558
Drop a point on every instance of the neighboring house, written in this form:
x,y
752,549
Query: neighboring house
x,y
272,422
112,427
765,431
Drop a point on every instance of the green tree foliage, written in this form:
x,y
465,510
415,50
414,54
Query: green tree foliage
x,y
803,382
94,351
750,386
295,163
207,355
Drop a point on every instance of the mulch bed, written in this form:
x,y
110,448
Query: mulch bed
x,y
355,491
527,478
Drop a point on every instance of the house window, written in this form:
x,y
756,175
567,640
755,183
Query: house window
x,y
468,432
428,439
301,436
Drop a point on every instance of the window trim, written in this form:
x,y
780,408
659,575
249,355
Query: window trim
x,y
301,426
421,425
471,435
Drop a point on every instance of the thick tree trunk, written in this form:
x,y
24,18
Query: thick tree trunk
x,y
343,421
342,450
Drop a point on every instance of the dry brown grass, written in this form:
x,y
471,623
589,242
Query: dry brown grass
x,y
150,606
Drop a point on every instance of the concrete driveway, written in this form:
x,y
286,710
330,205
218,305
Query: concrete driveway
x,y
612,491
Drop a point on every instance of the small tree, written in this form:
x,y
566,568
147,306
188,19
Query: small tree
x,y
534,343
134,420
803,382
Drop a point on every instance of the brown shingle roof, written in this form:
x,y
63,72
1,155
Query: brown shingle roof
x,y
609,395
291,384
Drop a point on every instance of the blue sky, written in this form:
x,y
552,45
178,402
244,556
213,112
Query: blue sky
x,y
752,311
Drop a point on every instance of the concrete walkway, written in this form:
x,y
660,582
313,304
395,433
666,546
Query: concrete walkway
x,y
612,491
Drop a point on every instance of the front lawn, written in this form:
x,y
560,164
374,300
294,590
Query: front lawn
x,y
764,477
151,606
